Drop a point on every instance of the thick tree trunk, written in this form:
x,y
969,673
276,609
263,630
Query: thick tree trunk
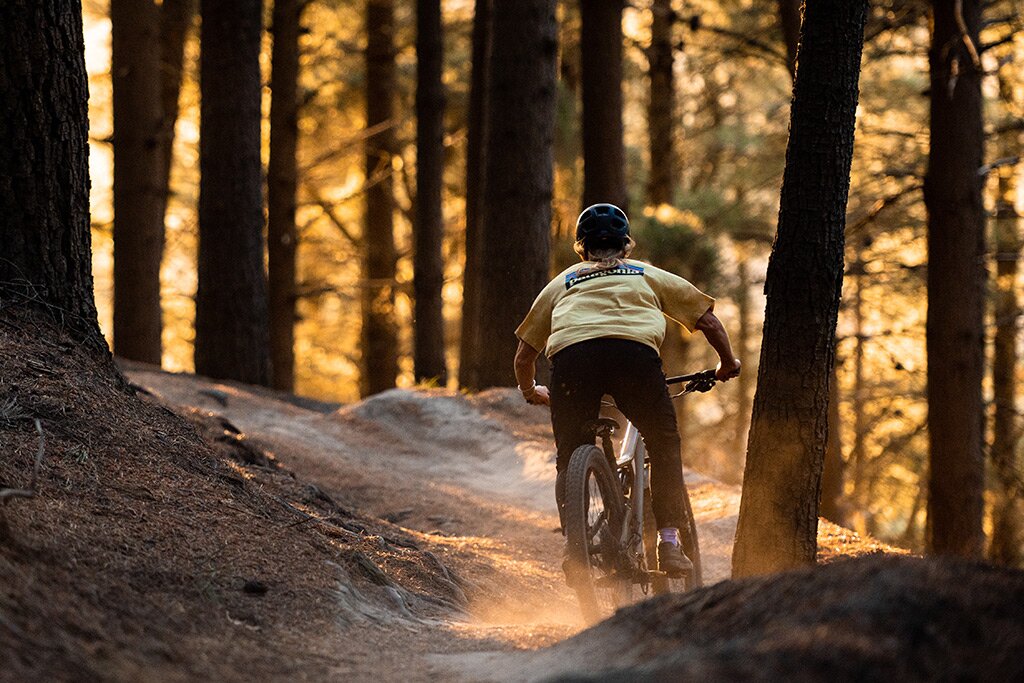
x,y
44,168
282,236
778,519
956,285
138,170
1006,515
469,344
428,268
232,341
379,334
789,21
604,177
518,177
661,106
175,21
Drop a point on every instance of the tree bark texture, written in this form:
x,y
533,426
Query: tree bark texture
x,y
789,22
232,341
44,171
282,236
601,75
428,267
778,517
1006,515
379,334
470,340
661,106
138,169
518,182
175,20
956,285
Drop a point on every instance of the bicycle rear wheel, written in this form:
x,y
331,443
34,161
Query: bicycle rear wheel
x,y
594,514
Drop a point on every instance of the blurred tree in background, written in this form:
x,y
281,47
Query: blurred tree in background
x,y
139,168
232,322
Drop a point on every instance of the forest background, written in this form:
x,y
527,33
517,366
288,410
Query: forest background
x,y
731,92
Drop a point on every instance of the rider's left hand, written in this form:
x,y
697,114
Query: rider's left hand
x,y
540,396
727,371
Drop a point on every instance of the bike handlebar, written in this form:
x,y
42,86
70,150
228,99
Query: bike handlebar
x,y
698,381
703,375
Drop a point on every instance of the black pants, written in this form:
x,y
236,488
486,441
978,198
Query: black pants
x,y
630,372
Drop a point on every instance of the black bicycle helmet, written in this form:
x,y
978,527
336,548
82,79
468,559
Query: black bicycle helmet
x,y
602,222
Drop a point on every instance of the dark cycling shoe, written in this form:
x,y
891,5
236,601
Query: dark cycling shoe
x,y
673,561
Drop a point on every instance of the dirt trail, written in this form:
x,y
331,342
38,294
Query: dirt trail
x,y
469,477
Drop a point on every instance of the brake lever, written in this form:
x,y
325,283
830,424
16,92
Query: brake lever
x,y
704,383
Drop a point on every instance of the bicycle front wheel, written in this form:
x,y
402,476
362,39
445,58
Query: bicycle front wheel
x,y
594,513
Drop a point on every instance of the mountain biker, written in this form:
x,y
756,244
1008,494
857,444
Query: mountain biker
x,y
601,323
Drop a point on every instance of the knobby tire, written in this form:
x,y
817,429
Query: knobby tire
x,y
593,557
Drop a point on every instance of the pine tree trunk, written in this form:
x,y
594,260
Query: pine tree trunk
x,y
661,106
175,20
789,21
518,178
1006,516
428,268
282,236
470,341
138,170
601,76
232,341
956,286
778,519
44,169
379,334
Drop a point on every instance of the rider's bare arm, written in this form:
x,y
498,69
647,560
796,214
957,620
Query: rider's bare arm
x,y
526,367
716,335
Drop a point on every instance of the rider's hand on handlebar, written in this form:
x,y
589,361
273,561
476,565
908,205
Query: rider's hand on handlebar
x,y
539,396
727,371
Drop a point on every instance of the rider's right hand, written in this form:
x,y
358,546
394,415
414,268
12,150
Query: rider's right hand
x,y
727,371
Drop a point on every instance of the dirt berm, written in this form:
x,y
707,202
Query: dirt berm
x,y
873,618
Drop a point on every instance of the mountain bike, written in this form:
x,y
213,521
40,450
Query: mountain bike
x,y
609,521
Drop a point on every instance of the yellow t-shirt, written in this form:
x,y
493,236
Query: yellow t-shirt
x,y
629,301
